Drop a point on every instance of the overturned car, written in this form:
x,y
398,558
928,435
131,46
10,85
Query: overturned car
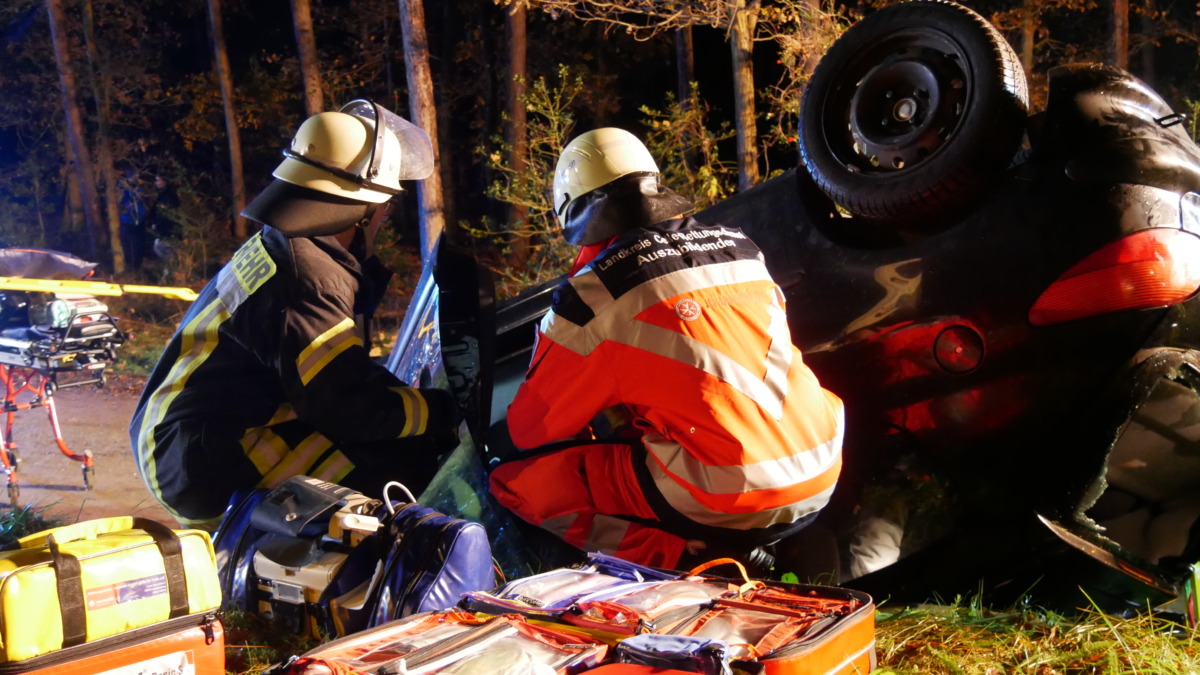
x,y
1005,301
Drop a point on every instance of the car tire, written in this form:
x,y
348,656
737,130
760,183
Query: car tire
x,y
912,113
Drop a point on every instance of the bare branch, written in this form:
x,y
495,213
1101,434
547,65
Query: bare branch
x,y
643,19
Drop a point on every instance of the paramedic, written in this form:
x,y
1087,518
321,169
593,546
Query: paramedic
x,y
269,375
676,325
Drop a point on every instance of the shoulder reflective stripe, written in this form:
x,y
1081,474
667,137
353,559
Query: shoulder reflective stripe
x,y
416,411
618,325
265,449
719,480
325,348
606,534
246,272
197,342
682,501
592,291
334,468
299,461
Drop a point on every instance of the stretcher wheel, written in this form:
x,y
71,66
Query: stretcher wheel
x,y
14,494
89,473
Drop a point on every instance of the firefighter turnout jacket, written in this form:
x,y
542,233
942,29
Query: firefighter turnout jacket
x,y
682,324
268,377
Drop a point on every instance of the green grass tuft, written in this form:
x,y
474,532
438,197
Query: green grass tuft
x,y
978,641
25,520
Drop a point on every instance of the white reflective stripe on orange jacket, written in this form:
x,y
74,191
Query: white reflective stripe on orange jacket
x,y
742,434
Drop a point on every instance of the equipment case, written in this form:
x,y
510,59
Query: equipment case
x,y
189,645
81,583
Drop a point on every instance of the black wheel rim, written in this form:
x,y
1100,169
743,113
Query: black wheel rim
x,y
898,102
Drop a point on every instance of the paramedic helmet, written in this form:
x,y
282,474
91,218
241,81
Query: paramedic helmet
x,y
606,183
596,158
338,165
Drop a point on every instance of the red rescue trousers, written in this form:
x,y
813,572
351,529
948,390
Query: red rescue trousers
x,y
581,494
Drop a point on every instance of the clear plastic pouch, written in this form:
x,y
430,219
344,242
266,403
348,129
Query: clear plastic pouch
x,y
557,588
457,643
627,608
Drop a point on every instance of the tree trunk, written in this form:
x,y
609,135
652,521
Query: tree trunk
x,y
80,154
685,65
225,77
742,44
1120,35
306,48
515,132
72,213
685,74
1149,31
424,114
1028,35
445,123
100,88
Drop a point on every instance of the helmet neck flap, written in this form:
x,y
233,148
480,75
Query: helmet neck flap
x,y
629,202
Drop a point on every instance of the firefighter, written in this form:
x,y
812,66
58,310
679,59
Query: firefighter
x,y
269,374
676,327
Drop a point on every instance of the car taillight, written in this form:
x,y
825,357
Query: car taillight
x,y
1151,268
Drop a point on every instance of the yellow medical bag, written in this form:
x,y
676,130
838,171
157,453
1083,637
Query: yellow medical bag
x,y
83,582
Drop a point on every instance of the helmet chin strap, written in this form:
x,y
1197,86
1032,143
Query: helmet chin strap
x,y
363,245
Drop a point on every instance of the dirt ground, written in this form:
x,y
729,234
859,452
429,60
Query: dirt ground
x,y
90,419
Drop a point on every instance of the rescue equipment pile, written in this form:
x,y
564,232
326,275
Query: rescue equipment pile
x,y
320,559
613,612
405,588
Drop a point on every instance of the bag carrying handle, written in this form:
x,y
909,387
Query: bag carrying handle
x,y
88,529
71,601
744,588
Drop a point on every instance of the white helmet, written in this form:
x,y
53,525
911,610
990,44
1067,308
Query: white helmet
x,y
346,153
336,163
596,158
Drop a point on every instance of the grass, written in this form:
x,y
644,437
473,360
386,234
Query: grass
x,y
252,644
978,641
16,523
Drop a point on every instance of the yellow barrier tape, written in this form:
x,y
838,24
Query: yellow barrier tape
x,y
94,287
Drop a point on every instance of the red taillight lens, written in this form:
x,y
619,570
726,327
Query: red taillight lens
x,y
1151,268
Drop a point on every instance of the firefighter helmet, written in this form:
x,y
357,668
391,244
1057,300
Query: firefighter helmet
x,y
336,163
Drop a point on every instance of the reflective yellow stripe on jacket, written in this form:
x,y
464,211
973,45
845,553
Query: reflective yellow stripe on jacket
x,y
325,348
416,411
250,268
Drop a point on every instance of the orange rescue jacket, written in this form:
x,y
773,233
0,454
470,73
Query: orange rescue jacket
x,y
682,323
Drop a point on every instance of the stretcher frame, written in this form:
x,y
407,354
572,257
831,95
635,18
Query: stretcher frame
x,y
31,364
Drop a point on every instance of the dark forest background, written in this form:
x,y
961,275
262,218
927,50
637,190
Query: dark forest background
x,y
146,85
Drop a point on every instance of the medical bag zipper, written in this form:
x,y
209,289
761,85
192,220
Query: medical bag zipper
x,y
116,642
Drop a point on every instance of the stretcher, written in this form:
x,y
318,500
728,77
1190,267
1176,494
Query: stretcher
x,y
68,340
54,334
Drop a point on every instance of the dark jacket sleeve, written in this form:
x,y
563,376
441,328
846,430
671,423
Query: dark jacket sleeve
x,y
332,382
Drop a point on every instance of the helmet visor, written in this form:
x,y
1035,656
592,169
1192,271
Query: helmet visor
x,y
416,152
